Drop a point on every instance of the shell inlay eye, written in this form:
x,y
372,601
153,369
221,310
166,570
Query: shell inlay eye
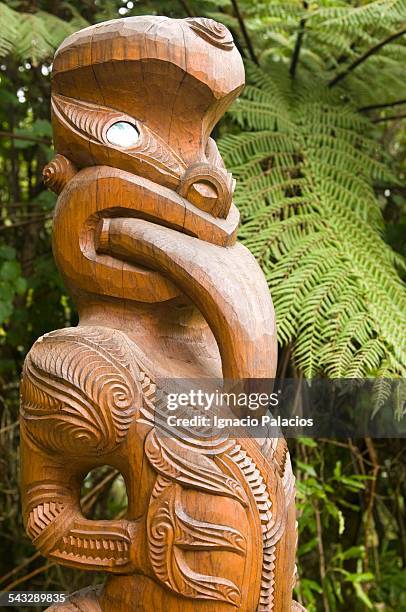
x,y
122,134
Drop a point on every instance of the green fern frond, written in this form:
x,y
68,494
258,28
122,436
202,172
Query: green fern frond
x,y
306,164
33,36
8,30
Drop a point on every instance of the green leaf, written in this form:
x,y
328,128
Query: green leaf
x,y
34,36
5,311
354,552
23,144
6,292
362,596
41,127
308,469
8,30
10,270
311,585
308,442
21,285
7,252
307,547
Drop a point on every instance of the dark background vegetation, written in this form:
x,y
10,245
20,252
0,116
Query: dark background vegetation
x,y
317,145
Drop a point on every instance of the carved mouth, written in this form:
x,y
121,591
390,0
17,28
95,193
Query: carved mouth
x,y
165,208
99,192
112,549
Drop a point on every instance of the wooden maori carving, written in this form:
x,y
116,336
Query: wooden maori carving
x,y
145,239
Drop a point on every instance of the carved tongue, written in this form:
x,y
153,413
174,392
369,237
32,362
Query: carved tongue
x,y
225,283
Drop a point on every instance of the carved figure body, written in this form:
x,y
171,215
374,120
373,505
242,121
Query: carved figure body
x,y
145,239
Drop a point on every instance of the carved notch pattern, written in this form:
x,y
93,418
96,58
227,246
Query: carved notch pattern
x,y
106,547
171,530
41,516
272,524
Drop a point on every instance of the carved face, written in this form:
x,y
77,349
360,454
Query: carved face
x,y
142,95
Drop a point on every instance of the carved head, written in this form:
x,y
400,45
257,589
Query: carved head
x,y
142,94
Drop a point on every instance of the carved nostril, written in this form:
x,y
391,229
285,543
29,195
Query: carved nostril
x,y
209,188
203,195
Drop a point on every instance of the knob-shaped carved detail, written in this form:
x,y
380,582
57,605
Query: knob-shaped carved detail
x,y
58,173
209,188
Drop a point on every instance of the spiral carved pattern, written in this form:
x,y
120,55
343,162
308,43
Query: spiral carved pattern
x,y
58,173
215,33
79,393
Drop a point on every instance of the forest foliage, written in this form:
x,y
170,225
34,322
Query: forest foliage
x,y
316,143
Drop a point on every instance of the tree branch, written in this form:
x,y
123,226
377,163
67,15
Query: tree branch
x,y
373,455
23,579
383,105
298,44
244,31
28,138
322,559
26,222
23,564
390,118
362,58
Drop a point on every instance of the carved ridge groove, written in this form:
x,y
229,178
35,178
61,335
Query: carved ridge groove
x,y
66,405
92,122
171,530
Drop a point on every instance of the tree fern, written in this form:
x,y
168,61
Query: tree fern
x,y
306,167
8,30
331,38
34,36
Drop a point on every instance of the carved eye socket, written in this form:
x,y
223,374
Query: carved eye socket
x,y
122,134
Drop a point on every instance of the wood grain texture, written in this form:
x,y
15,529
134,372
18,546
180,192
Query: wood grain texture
x,y
145,239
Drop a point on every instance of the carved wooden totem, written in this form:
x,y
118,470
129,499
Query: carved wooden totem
x,y
145,239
